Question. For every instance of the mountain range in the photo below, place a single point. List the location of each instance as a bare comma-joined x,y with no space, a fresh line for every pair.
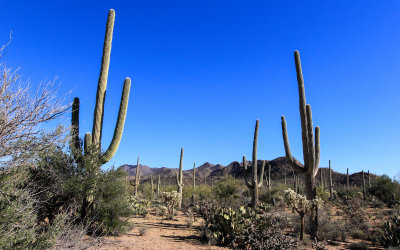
211,173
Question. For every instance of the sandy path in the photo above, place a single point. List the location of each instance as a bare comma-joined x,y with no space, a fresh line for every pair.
160,234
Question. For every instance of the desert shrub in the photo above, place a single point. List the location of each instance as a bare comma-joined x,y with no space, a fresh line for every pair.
391,236
376,236
328,228
386,190
139,206
60,181
322,193
355,217
264,232
350,193
20,226
242,228
358,246
142,231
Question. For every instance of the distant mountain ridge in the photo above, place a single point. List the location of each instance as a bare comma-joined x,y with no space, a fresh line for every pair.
210,172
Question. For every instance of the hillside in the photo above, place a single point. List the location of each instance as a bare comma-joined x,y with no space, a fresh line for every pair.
210,172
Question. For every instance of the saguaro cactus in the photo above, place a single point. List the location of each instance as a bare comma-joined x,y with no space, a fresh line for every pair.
254,184
268,178
330,182
194,183
158,185
285,177
347,179
137,177
369,180
363,186
179,180
94,139
152,185
311,148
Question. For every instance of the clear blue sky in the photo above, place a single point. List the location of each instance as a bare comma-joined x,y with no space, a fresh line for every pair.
204,71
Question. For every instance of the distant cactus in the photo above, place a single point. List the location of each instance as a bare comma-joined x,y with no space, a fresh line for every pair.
330,182
137,177
158,185
152,185
369,180
268,178
311,148
347,179
194,183
254,184
92,141
363,186
179,180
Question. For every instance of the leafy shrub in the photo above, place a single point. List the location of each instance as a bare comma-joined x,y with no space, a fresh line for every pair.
391,236
99,196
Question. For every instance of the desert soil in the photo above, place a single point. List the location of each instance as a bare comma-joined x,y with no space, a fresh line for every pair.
159,234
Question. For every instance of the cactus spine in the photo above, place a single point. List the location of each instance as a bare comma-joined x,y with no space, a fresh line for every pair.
347,179
95,137
330,182
179,180
311,148
254,184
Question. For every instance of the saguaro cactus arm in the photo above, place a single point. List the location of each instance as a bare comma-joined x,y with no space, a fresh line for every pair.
248,184
294,163
102,83
260,182
87,142
119,127
75,142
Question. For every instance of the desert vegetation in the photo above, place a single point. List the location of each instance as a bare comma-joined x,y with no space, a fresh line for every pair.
53,193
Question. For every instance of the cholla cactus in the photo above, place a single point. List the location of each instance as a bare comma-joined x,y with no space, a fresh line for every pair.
171,199
302,206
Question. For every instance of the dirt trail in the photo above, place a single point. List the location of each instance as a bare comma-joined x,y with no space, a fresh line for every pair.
159,234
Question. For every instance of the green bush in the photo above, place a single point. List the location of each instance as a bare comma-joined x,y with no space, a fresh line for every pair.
100,197
386,190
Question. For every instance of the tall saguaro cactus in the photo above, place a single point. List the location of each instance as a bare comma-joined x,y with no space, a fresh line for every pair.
158,185
347,179
254,184
179,180
311,148
92,142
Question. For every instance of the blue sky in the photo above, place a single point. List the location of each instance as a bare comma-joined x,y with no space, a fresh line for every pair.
204,71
